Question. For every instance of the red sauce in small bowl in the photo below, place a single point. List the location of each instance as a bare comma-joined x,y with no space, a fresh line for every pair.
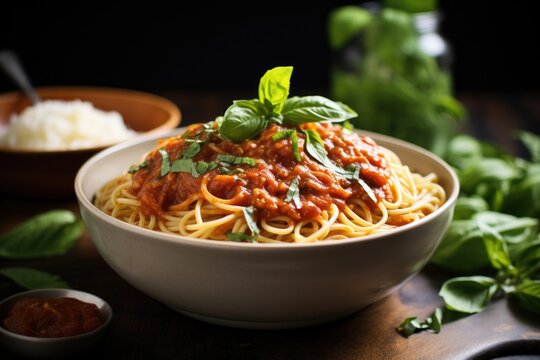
52,317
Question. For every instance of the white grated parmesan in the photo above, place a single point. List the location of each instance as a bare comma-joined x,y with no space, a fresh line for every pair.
64,125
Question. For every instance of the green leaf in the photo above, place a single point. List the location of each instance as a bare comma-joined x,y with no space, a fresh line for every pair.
203,166
409,326
486,170
524,191
527,258
496,248
463,150
293,193
468,294
299,110
532,143
239,237
528,294
33,279
294,145
346,23
243,120
467,207
134,169
250,221
413,325
463,249
47,234
236,160
182,165
293,134
274,87
193,149
283,134
165,164
315,147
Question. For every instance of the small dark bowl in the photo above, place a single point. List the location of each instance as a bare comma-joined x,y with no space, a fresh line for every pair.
55,347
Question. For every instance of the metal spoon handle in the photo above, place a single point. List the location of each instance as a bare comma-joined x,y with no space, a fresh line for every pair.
12,66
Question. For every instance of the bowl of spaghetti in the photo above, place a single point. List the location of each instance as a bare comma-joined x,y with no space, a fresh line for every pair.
288,220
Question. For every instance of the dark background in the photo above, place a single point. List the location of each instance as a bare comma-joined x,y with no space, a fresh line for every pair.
161,48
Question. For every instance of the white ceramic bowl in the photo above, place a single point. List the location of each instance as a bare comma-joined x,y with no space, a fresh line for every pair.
262,285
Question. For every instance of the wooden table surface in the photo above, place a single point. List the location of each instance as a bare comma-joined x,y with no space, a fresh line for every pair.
143,328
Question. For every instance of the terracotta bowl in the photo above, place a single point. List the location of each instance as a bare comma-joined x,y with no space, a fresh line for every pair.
258,285
50,174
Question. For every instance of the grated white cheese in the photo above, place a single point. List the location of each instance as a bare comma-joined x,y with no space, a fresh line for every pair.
64,125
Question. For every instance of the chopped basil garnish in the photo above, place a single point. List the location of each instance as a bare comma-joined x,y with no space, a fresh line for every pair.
283,134
134,169
250,221
235,160
193,149
182,165
293,134
238,236
293,194
165,164
294,144
315,147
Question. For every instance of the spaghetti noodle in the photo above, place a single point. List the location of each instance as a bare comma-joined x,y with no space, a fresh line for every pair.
292,183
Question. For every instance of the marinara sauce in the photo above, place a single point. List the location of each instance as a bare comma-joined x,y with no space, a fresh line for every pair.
265,185
52,317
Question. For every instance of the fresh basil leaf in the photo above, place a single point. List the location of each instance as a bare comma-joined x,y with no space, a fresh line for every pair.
489,178
243,120
33,279
293,193
467,207
47,234
237,236
134,169
496,248
462,248
409,326
299,110
468,294
250,221
413,325
524,191
345,23
274,87
165,164
463,150
193,149
532,143
527,258
236,160
528,294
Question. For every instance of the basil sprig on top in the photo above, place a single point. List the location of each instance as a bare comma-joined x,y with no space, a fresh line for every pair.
245,119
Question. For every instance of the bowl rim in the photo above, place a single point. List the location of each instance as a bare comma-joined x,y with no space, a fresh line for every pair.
175,114
56,293
176,238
